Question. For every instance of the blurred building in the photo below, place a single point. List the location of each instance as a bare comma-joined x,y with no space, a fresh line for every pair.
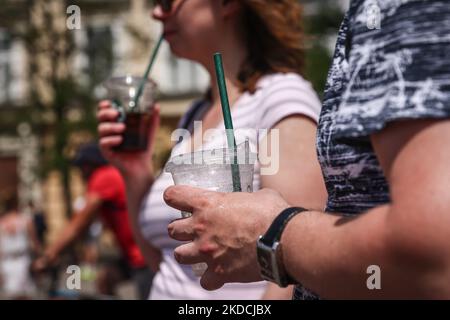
116,38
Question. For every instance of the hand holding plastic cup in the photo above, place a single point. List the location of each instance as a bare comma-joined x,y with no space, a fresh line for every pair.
212,170
226,169
134,113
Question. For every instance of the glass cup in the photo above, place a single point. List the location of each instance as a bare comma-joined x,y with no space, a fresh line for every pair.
122,92
212,170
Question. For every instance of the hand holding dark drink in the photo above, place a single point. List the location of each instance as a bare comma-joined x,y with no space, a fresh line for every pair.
111,133
128,122
134,99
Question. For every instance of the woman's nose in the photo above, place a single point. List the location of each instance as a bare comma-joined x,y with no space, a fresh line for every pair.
159,14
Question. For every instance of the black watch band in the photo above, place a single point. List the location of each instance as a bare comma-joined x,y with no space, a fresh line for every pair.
270,241
277,227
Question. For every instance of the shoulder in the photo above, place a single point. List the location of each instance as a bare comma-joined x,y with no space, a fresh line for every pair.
397,66
105,175
400,18
192,113
273,83
284,94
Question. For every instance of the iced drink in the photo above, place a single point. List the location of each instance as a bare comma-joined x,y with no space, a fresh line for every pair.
122,92
211,169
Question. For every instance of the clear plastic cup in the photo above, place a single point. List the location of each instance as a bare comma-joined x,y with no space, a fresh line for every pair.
212,170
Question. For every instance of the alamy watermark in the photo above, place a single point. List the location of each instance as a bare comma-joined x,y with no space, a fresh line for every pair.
268,145
374,280
73,281
373,15
73,21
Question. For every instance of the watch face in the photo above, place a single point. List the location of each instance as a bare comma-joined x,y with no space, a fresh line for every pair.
265,262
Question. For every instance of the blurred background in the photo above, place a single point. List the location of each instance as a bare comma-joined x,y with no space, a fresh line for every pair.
51,80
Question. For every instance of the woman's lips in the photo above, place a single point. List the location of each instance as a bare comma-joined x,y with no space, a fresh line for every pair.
169,33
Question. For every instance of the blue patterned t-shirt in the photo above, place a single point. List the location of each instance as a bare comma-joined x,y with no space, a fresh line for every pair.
392,62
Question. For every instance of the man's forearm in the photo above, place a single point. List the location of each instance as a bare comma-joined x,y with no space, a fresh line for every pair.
65,239
332,254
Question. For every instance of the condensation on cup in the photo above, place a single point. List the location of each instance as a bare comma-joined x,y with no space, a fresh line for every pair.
211,170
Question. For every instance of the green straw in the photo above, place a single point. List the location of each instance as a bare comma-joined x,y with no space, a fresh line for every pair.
147,71
227,121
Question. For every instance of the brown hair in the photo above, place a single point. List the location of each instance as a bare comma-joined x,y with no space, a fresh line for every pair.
274,37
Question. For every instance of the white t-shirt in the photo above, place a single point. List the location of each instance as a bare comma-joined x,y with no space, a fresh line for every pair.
277,96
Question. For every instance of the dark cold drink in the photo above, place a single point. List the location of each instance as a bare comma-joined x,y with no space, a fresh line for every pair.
135,137
135,101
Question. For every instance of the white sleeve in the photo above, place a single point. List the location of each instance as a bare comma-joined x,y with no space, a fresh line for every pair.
285,96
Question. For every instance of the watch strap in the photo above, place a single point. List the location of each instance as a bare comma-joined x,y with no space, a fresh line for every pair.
273,234
273,269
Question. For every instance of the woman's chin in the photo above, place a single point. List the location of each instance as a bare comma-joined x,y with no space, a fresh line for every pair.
177,50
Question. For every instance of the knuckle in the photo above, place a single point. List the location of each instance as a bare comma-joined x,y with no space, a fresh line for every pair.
207,249
199,227
204,202
107,114
104,104
169,194
178,257
108,127
170,230
104,126
219,198
111,113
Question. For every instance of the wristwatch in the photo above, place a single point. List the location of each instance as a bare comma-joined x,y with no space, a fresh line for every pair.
269,249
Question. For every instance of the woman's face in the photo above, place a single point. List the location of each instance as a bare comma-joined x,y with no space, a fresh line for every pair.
192,27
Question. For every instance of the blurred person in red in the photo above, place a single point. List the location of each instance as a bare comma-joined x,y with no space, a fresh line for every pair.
105,196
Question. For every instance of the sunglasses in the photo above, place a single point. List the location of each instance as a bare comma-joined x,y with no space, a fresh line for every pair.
166,5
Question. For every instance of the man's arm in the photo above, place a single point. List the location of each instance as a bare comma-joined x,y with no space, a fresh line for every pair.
299,178
407,239
274,292
330,254
77,225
